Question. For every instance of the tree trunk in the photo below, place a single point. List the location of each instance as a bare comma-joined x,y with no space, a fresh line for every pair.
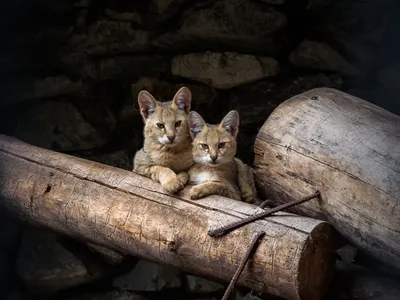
346,148
132,214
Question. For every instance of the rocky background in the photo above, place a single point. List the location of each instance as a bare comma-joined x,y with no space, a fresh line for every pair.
71,71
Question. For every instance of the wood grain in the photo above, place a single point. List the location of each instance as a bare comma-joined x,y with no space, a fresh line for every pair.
127,212
346,148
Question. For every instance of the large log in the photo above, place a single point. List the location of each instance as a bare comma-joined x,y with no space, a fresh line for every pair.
129,213
346,148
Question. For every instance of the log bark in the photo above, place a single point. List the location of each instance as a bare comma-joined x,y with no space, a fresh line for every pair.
346,148
128,213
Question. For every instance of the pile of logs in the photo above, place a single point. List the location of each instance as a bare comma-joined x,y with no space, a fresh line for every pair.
321,140
346,148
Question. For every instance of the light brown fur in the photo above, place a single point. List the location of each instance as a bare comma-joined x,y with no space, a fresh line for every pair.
160,159
216,170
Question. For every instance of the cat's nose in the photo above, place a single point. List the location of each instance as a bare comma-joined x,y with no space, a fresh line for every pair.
171,137
214,157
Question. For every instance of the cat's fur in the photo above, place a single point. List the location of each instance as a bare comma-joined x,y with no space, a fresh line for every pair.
216,170
167,152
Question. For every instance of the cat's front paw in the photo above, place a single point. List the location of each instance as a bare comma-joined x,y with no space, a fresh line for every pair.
173,184
197,192
247,195
183,177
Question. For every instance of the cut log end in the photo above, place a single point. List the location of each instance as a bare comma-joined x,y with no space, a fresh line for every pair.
343,146
317,263
131,214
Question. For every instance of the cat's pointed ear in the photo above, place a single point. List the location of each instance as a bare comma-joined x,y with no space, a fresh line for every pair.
182,99
230,123
196,123
147,104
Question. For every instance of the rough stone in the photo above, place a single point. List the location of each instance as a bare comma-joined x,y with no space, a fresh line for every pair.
356,283
40,60
126,68
265,96
56,125
108,295
245,295
117,159
199,284
97,107
149,276
52,87
320,56
208,297
133,17
115,37
203,96
355,27
73,63
46,267
224,70
227,25
274,2
82,3
347,254
316,5
164,91
163,6
34,88
110,256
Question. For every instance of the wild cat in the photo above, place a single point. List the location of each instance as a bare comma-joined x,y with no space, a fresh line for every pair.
167,152
216,170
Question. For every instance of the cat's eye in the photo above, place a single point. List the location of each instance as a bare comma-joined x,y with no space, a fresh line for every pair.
178,123
204,146
160,125
221,145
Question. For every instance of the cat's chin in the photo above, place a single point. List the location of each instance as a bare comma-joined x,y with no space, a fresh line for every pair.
170,145
216,164
213,165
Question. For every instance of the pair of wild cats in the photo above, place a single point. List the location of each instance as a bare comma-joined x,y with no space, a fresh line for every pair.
181,148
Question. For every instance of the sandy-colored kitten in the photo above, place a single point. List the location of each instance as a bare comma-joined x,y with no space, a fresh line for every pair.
167,152
216,170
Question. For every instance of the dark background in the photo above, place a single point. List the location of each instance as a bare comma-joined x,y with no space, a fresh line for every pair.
71,70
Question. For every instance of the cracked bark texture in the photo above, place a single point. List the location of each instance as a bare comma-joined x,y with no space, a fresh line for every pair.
126,212
346,148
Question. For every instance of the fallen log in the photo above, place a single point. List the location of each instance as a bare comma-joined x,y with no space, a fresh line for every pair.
128,213
346,148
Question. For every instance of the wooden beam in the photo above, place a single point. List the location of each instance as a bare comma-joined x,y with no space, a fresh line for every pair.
346,148
123,211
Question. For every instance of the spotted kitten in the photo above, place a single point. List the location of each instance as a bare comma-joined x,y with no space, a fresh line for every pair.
167,152
216,170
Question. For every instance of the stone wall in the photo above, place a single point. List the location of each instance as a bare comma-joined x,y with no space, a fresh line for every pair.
71,71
